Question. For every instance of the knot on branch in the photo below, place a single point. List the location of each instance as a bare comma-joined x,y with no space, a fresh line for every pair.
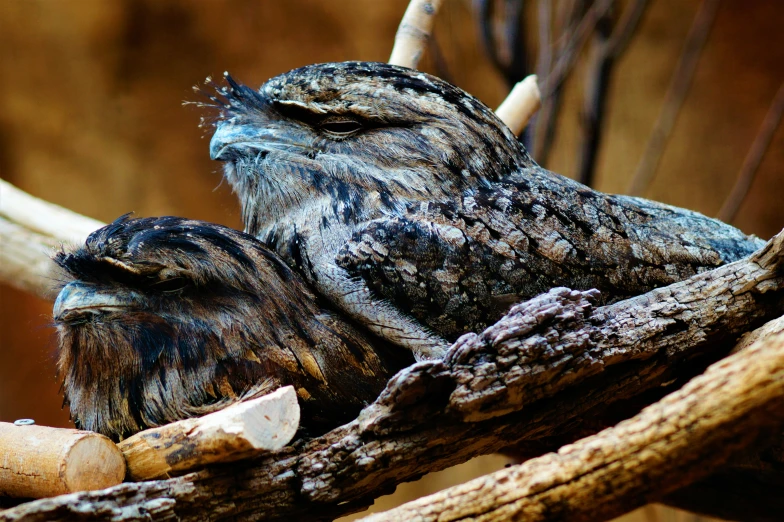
512,363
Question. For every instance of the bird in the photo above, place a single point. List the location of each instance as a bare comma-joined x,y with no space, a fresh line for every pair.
408,204
166,318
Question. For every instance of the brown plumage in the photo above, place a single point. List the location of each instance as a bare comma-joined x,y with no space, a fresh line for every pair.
413,208
165,318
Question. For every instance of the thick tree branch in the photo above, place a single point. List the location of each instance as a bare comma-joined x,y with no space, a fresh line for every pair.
669,444
533,375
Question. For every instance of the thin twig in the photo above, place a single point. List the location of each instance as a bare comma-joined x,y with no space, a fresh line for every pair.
413,33
626,27
566,19
676,93
753,159
521,104
607,47
574,45
599,67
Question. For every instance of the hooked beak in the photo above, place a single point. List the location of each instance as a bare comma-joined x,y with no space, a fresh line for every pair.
230,139
78,299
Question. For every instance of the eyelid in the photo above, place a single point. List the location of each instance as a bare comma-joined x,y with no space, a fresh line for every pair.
341,126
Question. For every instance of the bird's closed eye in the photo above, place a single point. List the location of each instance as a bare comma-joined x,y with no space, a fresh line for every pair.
171,285
341,128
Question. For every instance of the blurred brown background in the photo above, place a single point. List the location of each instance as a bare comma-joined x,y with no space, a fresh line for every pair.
91,118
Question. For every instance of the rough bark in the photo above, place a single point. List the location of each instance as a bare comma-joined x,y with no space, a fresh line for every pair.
556,356
684,436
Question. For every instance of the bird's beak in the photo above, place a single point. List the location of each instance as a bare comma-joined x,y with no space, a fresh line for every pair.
231,138
77,299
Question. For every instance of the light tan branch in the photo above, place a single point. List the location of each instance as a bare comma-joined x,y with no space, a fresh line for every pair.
414,32
30,231
240,431
522,103
38,461
669,444
43,217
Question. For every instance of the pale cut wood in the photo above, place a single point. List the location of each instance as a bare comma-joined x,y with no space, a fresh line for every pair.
242,430
413,33
681,438
522,103
39,461
43,217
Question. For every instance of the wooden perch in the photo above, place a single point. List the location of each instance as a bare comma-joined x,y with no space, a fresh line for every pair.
38,461
522,103
43,217
669,444
30,231
240,431
552,362
414,32
25,261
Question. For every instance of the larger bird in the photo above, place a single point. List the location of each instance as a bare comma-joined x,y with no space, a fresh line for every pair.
412,207
167,318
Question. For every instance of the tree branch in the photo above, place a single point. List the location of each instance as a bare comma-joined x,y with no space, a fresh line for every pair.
535,374
414,32
669,444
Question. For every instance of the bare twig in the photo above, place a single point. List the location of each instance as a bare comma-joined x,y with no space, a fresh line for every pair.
753,159
25,261
414,32
571,51
605,50
598,68
508,55
521,104
626,27
673,99
668,445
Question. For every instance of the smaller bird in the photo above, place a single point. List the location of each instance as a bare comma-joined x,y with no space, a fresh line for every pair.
167,318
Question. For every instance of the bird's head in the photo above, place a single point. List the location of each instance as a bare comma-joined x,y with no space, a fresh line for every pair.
356,132
163,317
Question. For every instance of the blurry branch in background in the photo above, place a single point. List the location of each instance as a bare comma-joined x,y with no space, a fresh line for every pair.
501,32
30,230
753,159
607,46
641,459
673,99
573,33
414,32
